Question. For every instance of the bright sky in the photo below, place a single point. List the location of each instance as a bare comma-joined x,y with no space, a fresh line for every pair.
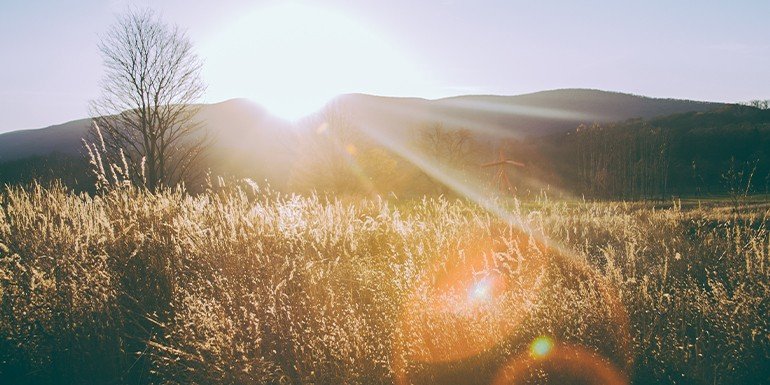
292,56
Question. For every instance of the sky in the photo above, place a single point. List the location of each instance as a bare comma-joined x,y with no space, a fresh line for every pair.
293,56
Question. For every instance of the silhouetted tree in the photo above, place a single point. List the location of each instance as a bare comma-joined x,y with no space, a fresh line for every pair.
450,147
147,107
761,104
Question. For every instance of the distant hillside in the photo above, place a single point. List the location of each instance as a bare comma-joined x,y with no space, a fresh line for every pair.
693,153
244,125
535,114
61,138
235,123
373,152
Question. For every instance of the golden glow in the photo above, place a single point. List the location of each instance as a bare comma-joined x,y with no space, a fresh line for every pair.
464,306
481,291
293,58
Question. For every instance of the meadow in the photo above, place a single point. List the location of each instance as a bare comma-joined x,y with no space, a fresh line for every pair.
243,285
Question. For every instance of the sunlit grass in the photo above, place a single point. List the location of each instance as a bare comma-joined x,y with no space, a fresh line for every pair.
241,285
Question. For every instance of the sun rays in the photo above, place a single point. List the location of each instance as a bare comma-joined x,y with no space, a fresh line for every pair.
473,303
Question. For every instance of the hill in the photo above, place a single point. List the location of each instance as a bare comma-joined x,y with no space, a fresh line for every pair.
722,151
372,154
236,122
242,124
60,138
534,114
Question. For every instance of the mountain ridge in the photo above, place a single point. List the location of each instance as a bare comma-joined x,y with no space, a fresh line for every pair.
242,123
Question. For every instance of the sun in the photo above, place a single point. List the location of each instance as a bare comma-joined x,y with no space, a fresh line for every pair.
293,58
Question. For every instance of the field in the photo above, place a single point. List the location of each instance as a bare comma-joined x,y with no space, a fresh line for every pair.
241,285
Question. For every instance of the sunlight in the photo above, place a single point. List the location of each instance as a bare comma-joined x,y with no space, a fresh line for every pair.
481,291
462,295
384,192
293,58
520,110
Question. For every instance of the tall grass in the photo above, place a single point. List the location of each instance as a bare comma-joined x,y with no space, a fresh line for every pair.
242,286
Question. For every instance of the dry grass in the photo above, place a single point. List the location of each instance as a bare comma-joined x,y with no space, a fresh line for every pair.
242,286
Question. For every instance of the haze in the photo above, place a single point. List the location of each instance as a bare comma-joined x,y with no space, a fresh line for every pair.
293,56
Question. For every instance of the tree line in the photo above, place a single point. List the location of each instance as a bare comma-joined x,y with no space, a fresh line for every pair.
692,154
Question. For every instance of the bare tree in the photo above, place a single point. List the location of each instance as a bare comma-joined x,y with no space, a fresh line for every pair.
761,104
450,147
326,157
146,111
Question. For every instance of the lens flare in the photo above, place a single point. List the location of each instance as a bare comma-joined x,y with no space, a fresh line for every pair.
323,127
541,347
561,364
478,305
497,295
481,291
472,299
